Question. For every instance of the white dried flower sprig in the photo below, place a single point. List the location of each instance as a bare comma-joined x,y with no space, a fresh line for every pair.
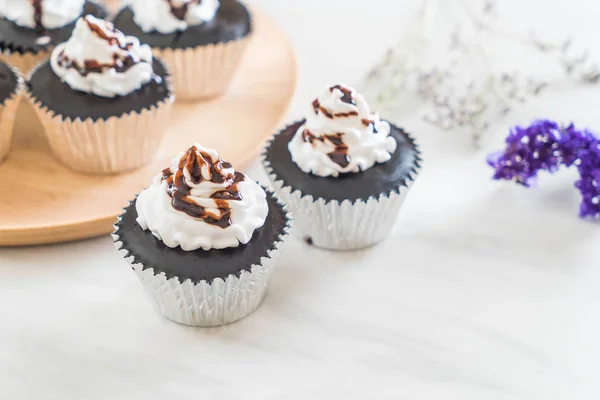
575,60
459,95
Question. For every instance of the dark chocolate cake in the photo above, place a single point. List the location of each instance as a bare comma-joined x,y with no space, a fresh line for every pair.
199,265
380,179
8,82
50,91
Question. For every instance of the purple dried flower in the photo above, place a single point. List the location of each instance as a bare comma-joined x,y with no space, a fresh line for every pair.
528,151
588,165
509,167
573,145
590,195
545,146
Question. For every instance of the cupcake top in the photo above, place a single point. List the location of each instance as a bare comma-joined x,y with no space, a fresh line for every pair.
167,16
201,202
184,24
101,60
28,26
41,14
341,135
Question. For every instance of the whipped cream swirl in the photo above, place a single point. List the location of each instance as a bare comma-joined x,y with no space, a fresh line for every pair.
168,16
341,135
202,202
41,14
100,59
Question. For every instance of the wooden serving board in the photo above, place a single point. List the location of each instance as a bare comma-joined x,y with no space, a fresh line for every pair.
42,201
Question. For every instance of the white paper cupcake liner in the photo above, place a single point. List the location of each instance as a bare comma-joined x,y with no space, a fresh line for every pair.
8,111
205,304
105,146
204,71
346,225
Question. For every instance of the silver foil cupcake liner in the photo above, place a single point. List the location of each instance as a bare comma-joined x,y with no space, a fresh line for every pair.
206,304
341,226
347,225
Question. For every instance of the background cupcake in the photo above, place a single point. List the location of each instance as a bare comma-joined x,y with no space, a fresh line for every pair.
343,172
11,88
29,30
202,42
202,239
103,99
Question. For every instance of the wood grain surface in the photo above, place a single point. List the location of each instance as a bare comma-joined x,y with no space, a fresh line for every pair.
42,201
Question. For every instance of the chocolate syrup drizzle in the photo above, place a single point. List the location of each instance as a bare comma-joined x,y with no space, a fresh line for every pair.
38,14
340,153
346,98
180,12
107,32
369,122
318,107
193,161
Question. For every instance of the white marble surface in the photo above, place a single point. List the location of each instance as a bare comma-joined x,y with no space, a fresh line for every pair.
483,291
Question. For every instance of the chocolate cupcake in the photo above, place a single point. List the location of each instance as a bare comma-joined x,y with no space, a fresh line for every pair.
343,172
29,30
202,239
104,100
202,41
11,90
